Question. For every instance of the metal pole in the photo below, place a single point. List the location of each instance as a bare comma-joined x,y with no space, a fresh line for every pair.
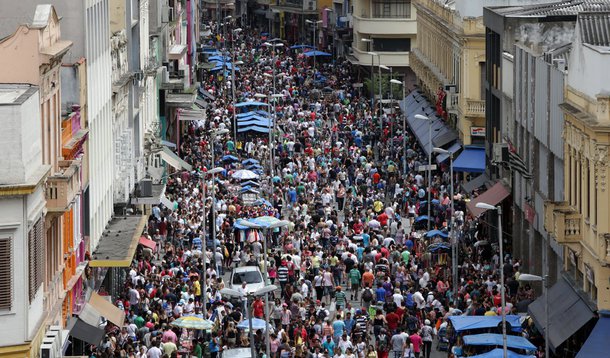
546,314
315,47
429,169
267,338
504,338
404,133
205,285
250,333
454,244
380,97
372,86
233,86
214,137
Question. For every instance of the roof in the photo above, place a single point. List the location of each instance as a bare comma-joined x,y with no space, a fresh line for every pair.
595,28
42,16
15,94
563,8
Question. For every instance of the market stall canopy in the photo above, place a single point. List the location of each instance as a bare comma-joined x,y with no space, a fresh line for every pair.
315,53
494,339
253,129
85,332
107,310
147,243
174,160
251,104
464,323
433,233
493,196
297,47
499,353
471,160
244,174
257,324
118,243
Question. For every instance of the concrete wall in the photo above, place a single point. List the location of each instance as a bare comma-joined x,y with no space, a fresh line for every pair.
474,8
585,75
20,140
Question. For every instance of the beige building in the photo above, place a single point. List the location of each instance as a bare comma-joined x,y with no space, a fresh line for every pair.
389,29
34,55
449,61
581,223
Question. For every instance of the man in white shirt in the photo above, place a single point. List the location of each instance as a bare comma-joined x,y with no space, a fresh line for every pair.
154,351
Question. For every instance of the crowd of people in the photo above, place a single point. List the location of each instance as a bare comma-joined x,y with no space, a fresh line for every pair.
355,273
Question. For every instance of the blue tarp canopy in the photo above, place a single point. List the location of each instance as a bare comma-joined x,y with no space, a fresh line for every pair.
597,343
253,129
464,323
472,160
210,51
254,122
220,58
250,161
422,218
254,166
494,339
225,66
499,353
237,225
316,53
433,233
296,47
250,104
230,158
246,114
439,246
252,116
262,201
250,183
248,189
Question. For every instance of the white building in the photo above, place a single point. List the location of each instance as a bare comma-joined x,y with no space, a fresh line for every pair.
22,211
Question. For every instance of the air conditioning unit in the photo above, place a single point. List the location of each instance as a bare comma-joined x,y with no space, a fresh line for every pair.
500,153
47,351
146,188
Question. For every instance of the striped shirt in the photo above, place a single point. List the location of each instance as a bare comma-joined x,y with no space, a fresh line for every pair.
282,274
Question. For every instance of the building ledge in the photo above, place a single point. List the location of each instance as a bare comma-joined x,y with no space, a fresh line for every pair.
30,184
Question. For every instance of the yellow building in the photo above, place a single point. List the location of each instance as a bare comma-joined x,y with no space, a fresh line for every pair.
449,62
581,223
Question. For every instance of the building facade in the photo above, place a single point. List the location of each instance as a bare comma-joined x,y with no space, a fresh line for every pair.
449,62
580,222
22,205
392,27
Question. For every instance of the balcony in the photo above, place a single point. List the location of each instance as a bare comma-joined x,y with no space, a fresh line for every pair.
392,59
563,222
474,108
63,186
380,26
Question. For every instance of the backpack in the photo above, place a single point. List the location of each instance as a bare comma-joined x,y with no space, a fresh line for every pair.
367,295
321,314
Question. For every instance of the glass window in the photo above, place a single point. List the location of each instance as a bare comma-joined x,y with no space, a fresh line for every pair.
392,45
247,276
392,8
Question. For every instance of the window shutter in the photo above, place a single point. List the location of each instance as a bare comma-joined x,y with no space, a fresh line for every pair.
6,274
36,269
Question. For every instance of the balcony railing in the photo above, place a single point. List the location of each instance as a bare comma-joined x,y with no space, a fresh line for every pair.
63,186
475,107
563,222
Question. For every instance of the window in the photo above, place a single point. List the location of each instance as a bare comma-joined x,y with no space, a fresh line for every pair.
6,275
392,45
35,258
392,8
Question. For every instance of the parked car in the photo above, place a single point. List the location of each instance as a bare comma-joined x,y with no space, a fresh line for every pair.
249,274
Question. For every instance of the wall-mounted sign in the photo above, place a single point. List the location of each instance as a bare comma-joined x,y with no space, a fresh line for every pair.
477,131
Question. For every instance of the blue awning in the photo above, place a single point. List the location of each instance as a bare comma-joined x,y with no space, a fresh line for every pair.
249,104
464,323
254,122
455,147
253,129
314,53
472,160
252,117
597,343
494,339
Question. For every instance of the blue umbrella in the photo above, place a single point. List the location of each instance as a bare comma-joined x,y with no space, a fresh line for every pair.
297,47
244,174
251,103
433,233
262,201
254,166
230,158
316,53
250,183
250,161
256,324
217,58
422,218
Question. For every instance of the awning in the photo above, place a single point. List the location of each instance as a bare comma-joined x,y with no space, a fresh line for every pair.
465,323
597,343
471,160
167,203
168,144
176,52
119,242
455,147
175,161
416,103
493,196
107,310
475,183
201,103
567,313
183,100
495,339
147,243
85,332
157,191
499,353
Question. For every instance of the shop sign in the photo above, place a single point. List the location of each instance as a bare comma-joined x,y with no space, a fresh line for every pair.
477,131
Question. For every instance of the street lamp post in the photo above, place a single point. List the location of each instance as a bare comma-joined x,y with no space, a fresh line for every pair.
373,54
421,116
452,237
233,64
214,136
404,127
526,277
501,244
314,43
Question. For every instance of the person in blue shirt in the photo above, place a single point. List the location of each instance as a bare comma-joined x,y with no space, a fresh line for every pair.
380,293
349,323
366,238
338,328
329,346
